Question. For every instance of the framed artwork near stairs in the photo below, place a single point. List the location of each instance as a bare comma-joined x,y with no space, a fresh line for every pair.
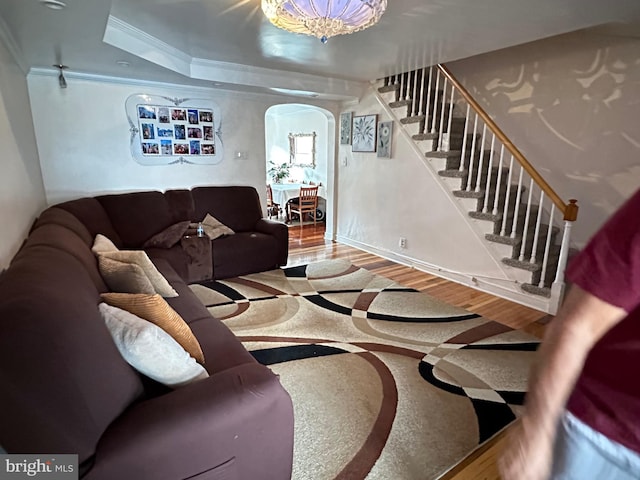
385,130
364,133
345,128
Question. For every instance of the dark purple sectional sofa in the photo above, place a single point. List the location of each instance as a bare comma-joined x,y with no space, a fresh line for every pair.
65,388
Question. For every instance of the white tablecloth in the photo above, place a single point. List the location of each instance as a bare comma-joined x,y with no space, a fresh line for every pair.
282,192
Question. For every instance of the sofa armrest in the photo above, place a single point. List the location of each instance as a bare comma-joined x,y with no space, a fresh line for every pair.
281,232
238,421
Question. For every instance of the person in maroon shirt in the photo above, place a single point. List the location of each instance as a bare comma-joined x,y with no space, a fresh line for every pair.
582,413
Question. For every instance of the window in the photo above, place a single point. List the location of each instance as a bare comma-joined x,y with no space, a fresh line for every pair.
302,149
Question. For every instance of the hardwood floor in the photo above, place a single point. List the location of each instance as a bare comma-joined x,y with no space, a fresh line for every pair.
310,246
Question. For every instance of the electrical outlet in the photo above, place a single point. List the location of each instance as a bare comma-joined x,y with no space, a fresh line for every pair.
402,242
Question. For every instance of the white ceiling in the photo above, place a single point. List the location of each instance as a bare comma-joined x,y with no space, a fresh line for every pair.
229,43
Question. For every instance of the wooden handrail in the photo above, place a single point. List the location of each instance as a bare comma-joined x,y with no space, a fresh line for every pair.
569,211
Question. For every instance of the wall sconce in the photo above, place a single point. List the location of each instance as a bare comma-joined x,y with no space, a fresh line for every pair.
61,80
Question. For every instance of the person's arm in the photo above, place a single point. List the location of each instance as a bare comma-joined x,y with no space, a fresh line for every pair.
582,320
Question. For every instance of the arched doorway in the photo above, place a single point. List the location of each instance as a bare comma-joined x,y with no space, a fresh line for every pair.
283,120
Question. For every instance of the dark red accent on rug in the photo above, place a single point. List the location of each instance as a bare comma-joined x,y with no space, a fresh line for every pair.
363,461
380,347
480,332
258,286
364,301
284,339
240,309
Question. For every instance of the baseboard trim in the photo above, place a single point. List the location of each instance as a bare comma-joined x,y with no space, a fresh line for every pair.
502,288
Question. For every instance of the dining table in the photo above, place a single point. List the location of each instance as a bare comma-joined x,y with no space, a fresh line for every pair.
283,192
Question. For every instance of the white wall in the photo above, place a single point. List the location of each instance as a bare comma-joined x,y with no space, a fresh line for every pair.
21,189
570,104
383,199
87,152
281,120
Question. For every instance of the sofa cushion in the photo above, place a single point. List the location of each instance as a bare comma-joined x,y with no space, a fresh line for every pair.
137,216
58,216
93,216
140,258
238,207
51,235
71,382
181,204
154,309
168,237
149,349
244,253
124,277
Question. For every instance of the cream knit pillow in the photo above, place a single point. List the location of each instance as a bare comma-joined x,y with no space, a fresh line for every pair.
149,349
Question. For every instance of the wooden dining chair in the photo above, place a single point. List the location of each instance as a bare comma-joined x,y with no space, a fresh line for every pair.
307,202
273,209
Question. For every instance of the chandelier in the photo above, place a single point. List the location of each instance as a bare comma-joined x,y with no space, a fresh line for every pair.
324,18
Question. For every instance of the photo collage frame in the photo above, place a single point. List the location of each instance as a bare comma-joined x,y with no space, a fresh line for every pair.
176,132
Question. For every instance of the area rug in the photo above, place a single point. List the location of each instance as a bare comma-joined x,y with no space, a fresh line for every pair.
386,381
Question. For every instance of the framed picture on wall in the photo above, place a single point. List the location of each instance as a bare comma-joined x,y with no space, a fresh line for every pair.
385,130
345,128
364,133
166,131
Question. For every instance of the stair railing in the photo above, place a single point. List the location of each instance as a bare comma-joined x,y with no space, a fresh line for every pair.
434,93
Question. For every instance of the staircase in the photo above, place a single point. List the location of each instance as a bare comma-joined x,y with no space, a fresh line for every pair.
526,223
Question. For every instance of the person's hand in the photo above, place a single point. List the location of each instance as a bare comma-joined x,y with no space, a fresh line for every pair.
528,452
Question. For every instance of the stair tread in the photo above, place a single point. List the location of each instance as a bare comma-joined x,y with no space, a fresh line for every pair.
425,136
522,264
443,154
466,193
389,88
412,119
536,290
400,103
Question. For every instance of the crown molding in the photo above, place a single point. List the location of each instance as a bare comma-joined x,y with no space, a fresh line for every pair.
14,50
187,90
144,45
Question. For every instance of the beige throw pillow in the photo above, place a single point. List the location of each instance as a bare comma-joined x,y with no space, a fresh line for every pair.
149,349
102,244
155,309
213,228
124,277
140,258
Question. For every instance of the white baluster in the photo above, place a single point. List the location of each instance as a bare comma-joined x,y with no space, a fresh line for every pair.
473,154
435,98
485,209
442,110
481,162
525,232
498,183
547,247
514,222
536,234
464,139
428,104
505,211
558,283
453,89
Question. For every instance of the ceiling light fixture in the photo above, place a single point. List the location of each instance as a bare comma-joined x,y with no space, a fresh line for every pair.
53,4
324,18
61,80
